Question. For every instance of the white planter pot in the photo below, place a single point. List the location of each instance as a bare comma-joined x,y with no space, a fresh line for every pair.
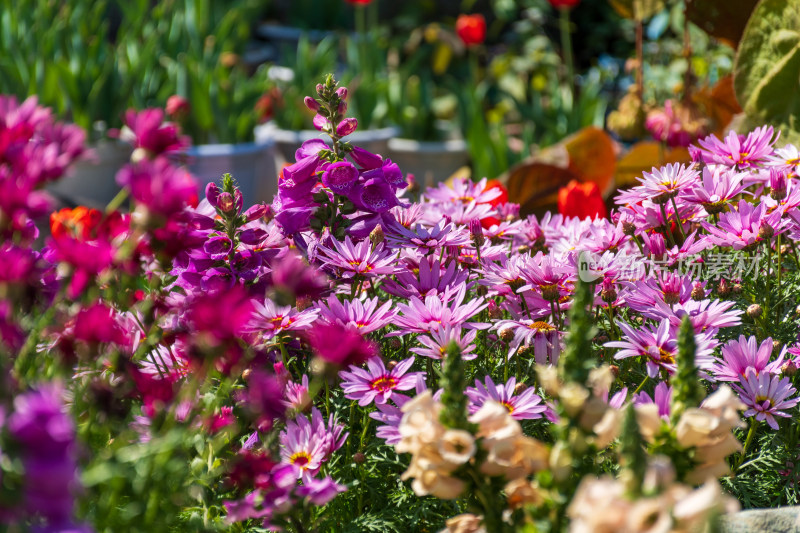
431,162
92,182
252,165
288,141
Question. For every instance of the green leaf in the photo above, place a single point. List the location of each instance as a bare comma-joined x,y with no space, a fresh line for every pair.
767,67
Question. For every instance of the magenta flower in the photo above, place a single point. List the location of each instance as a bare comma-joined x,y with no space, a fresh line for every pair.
296,394
101,324
374,195
149,132
786,159
341,346
340,177
744,228
376,383
738,150
362,259
435,312
766,395
525,406
159,186
390,416
547,275
435,343
307,444
662,397
270,319
363,316
739,356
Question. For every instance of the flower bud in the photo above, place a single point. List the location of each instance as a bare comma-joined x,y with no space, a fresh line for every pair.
737,288
341,92
493,310
413,186
523,350
359,458
523,249
225,202
765,231
614,370
724,288
476,232
550,293
482,290
255,212
342,108
698,292
346,127
754,311
376,236
395,343
177,107
311,103
320,89
629,228
520,387
506,334
212,193
391,364
777,184
608,293
789,368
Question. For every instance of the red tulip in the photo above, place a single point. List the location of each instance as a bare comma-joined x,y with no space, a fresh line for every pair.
488,222
581,200
564,4
471,29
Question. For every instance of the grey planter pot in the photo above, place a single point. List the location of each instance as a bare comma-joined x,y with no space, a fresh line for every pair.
288,141
252,165
92,182
780,520
431,162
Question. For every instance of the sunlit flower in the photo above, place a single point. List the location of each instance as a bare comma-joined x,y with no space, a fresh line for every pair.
376,383
307,444
523,406
766,396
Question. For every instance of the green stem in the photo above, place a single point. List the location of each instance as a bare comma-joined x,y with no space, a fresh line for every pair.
117,201
566,48
768,245
666,225
639,388
750,434
678,220
778,282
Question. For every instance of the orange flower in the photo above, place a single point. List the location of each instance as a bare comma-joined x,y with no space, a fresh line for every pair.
79,222
581,200
471,29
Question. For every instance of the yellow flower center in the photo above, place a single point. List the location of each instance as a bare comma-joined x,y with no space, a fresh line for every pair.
384,383
541,326
300,459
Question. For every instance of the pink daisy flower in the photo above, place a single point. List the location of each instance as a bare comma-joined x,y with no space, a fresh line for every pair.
307,444
738,150
525,406
429,238
361,259
364,316
660,185
429,277
435,343
720,185
541,336
377,383
739,356
743,229
271,319
766,396
462,190
421,317
662,397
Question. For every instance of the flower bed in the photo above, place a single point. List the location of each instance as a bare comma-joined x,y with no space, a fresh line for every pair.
354,357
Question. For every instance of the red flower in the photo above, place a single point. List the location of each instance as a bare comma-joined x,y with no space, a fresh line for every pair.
488,222
471,29
581,200
564,4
